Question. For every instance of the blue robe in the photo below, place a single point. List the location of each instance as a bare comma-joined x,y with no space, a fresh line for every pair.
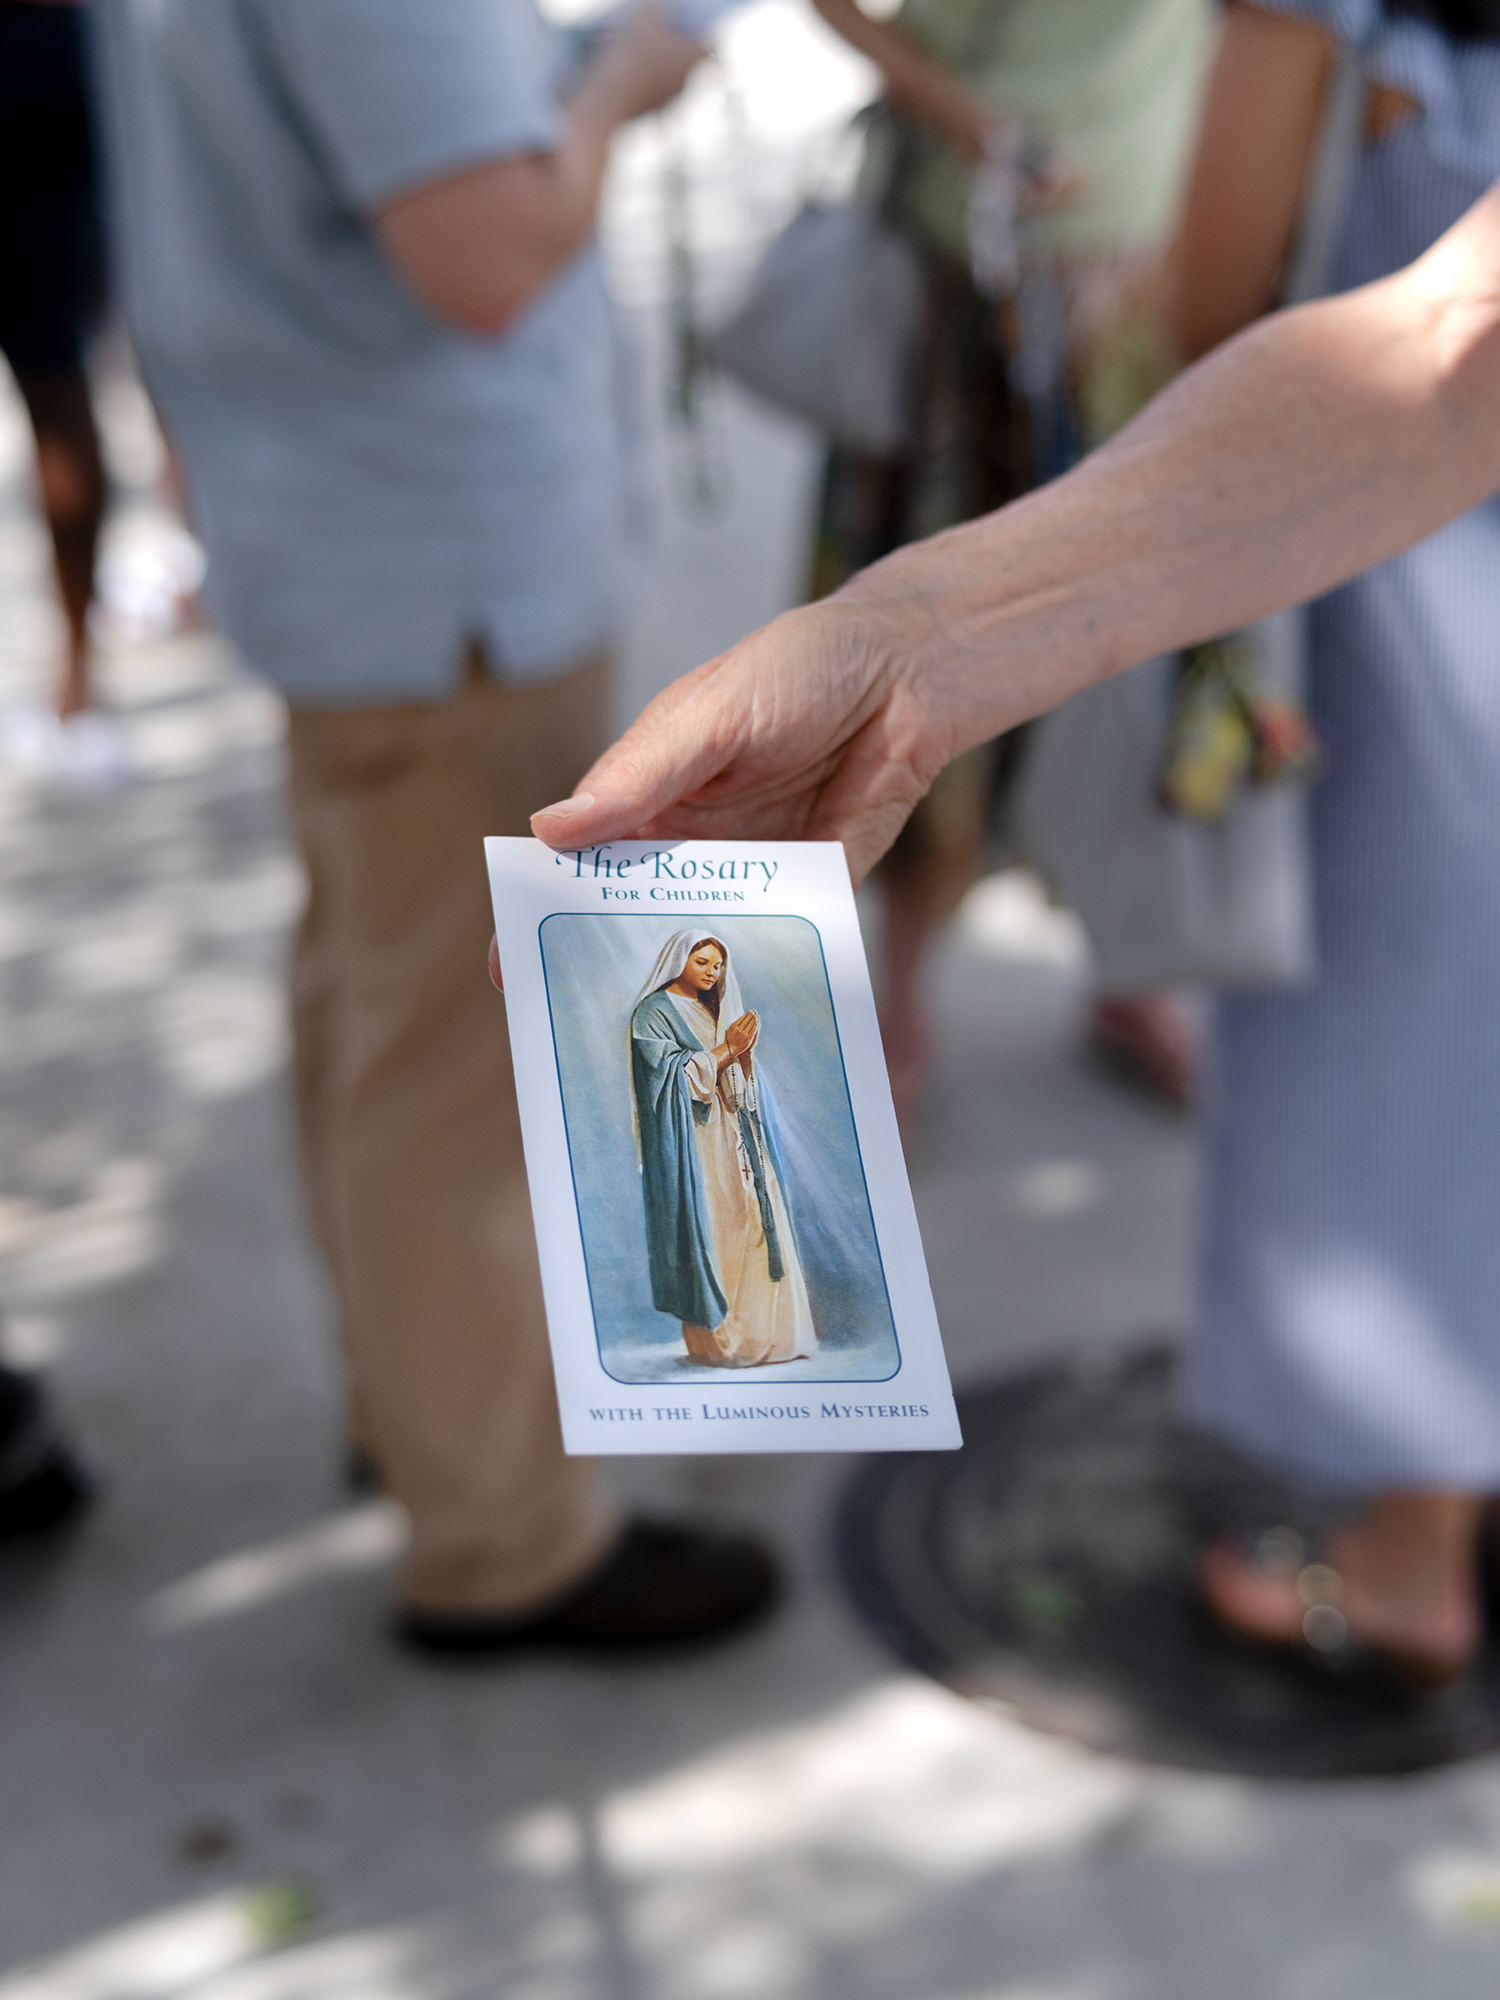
685,1277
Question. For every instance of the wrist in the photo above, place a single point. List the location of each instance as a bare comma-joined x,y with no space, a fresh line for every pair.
904,620
965,653
599,106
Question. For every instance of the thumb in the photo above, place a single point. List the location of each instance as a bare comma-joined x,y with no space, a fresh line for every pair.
674,747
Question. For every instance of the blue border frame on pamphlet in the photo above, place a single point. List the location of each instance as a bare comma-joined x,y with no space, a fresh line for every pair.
629,916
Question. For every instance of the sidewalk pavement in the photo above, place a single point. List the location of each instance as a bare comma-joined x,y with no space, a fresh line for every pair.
218,1780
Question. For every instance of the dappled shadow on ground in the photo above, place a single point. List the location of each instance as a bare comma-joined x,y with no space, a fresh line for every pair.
197,1698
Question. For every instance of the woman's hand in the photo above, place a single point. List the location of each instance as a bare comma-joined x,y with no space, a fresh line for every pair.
831,722
739,1040
740,1035
970,126
644,64
806,730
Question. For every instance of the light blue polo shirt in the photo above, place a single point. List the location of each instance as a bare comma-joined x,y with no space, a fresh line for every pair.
372,487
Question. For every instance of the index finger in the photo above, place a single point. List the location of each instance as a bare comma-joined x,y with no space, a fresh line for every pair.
672,749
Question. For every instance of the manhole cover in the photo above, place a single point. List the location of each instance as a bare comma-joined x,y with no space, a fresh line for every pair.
1048,1566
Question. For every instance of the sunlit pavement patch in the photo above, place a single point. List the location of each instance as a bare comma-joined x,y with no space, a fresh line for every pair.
1460,1892
357,1538
175,1951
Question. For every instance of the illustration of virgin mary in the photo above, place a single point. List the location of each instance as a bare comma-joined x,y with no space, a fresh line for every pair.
718,1227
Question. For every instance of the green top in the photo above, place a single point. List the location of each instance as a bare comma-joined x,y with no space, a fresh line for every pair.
1114,84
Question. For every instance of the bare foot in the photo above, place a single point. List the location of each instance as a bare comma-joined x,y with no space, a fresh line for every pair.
1401,1579
1150,1039
73,695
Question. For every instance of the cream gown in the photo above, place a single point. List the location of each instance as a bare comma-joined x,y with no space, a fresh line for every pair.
765,1321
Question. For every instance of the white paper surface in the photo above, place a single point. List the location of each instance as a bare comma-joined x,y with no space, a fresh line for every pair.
775,1196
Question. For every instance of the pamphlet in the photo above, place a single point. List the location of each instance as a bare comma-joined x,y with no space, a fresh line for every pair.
730,1255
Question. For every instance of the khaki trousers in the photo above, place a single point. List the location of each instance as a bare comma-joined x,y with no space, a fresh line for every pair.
411,1142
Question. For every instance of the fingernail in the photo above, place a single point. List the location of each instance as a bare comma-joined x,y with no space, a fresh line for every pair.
565,808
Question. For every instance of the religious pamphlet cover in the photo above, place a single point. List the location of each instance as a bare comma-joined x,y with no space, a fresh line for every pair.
730,1255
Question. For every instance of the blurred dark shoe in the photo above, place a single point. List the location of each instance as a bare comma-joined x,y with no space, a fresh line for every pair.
362,1475
42,1486
660,1586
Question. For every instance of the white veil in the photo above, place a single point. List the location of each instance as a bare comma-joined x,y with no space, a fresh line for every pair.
673,956
670,961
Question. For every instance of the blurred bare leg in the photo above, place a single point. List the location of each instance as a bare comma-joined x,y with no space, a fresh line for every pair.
70,470
1150,1040
909,926
935,859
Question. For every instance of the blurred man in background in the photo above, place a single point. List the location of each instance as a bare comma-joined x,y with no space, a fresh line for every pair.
355,249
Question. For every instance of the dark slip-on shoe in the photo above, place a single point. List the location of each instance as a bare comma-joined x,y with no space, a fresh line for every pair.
42,1486
661,1585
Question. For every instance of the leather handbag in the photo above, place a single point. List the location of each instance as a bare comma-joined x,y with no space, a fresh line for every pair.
829,326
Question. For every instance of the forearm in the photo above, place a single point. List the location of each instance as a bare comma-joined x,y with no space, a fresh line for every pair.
913,79
559,219
1257,132
479,246
1315,444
